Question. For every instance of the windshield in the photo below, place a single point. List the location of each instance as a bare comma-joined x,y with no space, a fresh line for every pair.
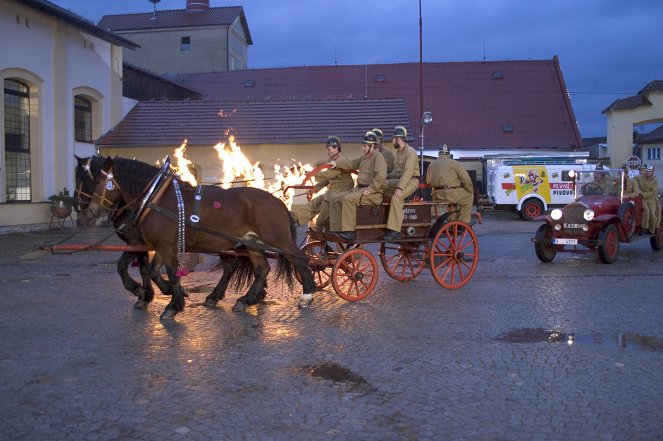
599,183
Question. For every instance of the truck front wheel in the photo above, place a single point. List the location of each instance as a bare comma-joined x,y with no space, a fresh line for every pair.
530,209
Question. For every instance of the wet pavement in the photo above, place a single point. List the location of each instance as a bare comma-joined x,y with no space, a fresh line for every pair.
569,350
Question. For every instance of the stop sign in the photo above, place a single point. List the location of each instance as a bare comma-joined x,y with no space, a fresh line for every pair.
633,162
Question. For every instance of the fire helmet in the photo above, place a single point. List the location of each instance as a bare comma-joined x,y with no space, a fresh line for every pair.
333,141
370,138
400,132
378,133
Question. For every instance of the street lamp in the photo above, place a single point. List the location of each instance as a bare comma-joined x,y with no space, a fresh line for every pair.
426,119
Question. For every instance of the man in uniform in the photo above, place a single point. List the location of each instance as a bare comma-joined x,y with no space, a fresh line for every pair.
603,180
388,156
651,208
337,180
402,181
451,184
630,187
371,185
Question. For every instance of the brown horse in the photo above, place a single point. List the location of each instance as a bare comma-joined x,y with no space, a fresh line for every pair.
224,220
85,169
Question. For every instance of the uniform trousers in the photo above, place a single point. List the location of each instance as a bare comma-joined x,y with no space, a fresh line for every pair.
458,196
395,218
343,208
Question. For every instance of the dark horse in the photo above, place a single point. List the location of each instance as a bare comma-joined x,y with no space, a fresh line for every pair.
86,168
228,219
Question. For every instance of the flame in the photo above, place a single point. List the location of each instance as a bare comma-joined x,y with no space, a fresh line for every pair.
182,165
286,176
237,170
236,167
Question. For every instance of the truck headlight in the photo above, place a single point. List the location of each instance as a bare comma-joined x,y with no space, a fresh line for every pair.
588,214
556,214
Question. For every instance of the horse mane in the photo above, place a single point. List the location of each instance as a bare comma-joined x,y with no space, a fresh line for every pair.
133,176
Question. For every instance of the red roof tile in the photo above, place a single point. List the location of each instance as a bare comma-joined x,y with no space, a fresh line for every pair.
471,101
168,123
176,18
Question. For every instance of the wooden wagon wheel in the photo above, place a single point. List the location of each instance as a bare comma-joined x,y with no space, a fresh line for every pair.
454,254
319,262
355,274
403,261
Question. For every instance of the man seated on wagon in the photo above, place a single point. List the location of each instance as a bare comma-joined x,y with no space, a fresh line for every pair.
337,180
371,185
403,181
451,184
651,205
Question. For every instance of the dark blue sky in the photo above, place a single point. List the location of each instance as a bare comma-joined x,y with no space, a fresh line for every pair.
608,49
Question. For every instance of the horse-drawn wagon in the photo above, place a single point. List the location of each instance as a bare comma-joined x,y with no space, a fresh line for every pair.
154,210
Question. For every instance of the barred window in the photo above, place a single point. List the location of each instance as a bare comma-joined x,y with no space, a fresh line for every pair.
82,119
18,186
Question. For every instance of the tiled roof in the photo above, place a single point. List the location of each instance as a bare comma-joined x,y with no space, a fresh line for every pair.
653,137
79,22
168,123
472,102
176,18
639,100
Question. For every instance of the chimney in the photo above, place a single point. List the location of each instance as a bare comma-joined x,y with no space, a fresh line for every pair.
194,6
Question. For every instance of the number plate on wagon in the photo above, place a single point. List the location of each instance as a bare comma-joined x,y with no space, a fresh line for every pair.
565,241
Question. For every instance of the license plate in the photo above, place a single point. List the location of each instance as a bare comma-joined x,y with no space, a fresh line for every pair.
565,241
573,226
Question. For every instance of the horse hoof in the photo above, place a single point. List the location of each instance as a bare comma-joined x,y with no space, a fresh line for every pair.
209,303
239,307
168,314
305,303
141,304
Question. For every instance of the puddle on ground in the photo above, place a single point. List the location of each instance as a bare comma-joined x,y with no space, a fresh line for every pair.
621,340
335,373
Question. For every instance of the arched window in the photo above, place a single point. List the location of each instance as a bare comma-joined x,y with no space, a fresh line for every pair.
18,186
82,119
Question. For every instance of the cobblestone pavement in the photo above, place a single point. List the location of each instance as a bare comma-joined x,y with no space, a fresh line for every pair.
413,361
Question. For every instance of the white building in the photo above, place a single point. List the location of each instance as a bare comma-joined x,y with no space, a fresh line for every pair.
62,89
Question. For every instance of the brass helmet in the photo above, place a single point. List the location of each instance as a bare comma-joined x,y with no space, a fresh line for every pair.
378,134
443,151
400,132
333,141
370,138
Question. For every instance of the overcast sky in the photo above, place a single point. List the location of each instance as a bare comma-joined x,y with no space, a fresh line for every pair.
608,49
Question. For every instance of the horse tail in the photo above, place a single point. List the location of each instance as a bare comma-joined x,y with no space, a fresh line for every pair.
293,227
242,274
285,270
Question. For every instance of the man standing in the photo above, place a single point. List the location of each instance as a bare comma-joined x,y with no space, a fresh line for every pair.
371,186
651,208
388,156
337,180
402,181
630,187
451,184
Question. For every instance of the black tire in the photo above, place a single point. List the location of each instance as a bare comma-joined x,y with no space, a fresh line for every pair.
530,209
609,247
626,215
543,246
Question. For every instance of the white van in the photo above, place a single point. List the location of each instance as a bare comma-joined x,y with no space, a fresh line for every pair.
530,185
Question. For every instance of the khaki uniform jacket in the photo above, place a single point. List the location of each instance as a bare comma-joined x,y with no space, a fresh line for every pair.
406,167
372,171
631,189
338,179
389,157
648,187
446,172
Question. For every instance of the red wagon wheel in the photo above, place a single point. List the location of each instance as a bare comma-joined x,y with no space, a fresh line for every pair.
454,254
355,274
404,261
319,262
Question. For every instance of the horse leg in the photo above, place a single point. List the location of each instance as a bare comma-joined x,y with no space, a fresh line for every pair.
144,267
219,292
261,269
155,267
300,262
123,270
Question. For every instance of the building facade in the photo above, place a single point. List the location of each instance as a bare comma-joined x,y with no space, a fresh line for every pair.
62,89
195,39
